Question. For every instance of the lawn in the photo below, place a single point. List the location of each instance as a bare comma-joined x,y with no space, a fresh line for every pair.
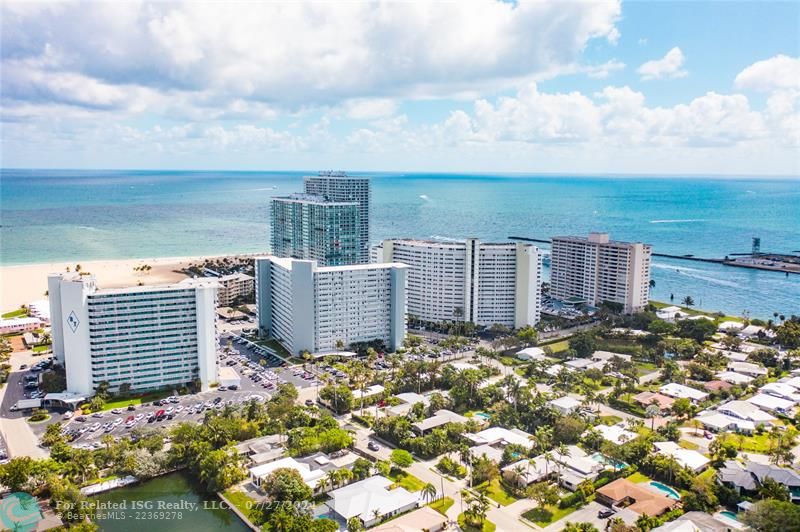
557,347
758,443
406,480
638,478
488,526
610,420
19,313
497,492
688,445
442,505
243,502
274,344
142,399
708,474
41,348
549,514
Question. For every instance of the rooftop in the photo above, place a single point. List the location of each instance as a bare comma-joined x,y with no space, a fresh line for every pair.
645,501
362,499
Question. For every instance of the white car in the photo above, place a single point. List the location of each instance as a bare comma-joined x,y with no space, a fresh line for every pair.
68,415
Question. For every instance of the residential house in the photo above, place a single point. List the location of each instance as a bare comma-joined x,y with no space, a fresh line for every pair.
679,391
772,404
646,399
425,518
529,471
635,497
531,353
746,411
261,450
730,327
607,356
616,434
439,419
782,390
500,437
313,468
407,402
717,386
565,405
747,478
575,466
747,368
685,457
371,500
737,379
718,422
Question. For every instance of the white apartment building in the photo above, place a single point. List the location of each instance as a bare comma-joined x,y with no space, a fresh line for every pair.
147,337
469,280
311,308
233,286
597,269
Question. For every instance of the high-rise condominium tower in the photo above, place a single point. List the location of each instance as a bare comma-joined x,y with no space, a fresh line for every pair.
337,186
328,222
469,280
597,269
145,337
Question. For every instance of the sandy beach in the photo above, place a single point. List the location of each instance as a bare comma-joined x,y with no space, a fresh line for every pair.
20,285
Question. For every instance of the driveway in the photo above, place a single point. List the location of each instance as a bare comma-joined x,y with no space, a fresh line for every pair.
588,514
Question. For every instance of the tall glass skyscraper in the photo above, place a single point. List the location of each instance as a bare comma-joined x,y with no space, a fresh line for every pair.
328,223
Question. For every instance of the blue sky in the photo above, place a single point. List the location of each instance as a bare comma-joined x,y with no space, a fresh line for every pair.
550,86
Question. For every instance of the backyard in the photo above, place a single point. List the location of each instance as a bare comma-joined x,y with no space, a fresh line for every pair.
497,492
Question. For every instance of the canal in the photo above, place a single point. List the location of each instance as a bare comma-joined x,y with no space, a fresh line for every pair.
169,502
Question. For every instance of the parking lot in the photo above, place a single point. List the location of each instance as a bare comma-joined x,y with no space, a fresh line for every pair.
257,381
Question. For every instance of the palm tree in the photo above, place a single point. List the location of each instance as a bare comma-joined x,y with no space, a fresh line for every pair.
688,301
331,478
519,471
429,492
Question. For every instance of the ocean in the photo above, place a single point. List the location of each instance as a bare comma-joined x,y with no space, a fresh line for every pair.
59,215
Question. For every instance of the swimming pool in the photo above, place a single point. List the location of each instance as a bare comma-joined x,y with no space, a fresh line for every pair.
482,415
669,492
729,515
600,458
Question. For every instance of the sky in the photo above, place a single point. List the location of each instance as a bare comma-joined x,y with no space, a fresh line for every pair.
551,86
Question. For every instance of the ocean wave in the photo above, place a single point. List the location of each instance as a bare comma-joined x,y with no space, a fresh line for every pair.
446,238
687,220
425,197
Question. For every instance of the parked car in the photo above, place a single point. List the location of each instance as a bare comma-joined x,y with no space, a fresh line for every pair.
372,446
603,514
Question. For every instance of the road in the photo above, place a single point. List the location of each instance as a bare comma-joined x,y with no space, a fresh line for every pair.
17,434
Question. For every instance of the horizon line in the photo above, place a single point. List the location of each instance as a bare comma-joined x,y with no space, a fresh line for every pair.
488,173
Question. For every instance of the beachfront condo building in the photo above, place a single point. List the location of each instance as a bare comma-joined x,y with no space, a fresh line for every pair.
595,269
309,227
469,280
140,338
338,186
234,287
319,309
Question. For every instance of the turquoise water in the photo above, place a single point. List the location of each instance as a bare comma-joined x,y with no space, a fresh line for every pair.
483,415
729,515
170,502
600,458
84,215
669,492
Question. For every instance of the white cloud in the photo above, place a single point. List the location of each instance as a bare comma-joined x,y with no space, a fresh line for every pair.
370,108
668,67
616,116
290,55
776,73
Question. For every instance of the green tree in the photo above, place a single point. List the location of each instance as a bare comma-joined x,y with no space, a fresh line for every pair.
15,473
772,489
773,516
579,527
544,493
527,336
286,484
401,458
583,343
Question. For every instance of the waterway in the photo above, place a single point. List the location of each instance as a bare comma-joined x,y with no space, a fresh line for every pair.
171,502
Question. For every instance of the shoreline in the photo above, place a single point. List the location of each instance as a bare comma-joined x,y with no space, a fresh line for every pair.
21,284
